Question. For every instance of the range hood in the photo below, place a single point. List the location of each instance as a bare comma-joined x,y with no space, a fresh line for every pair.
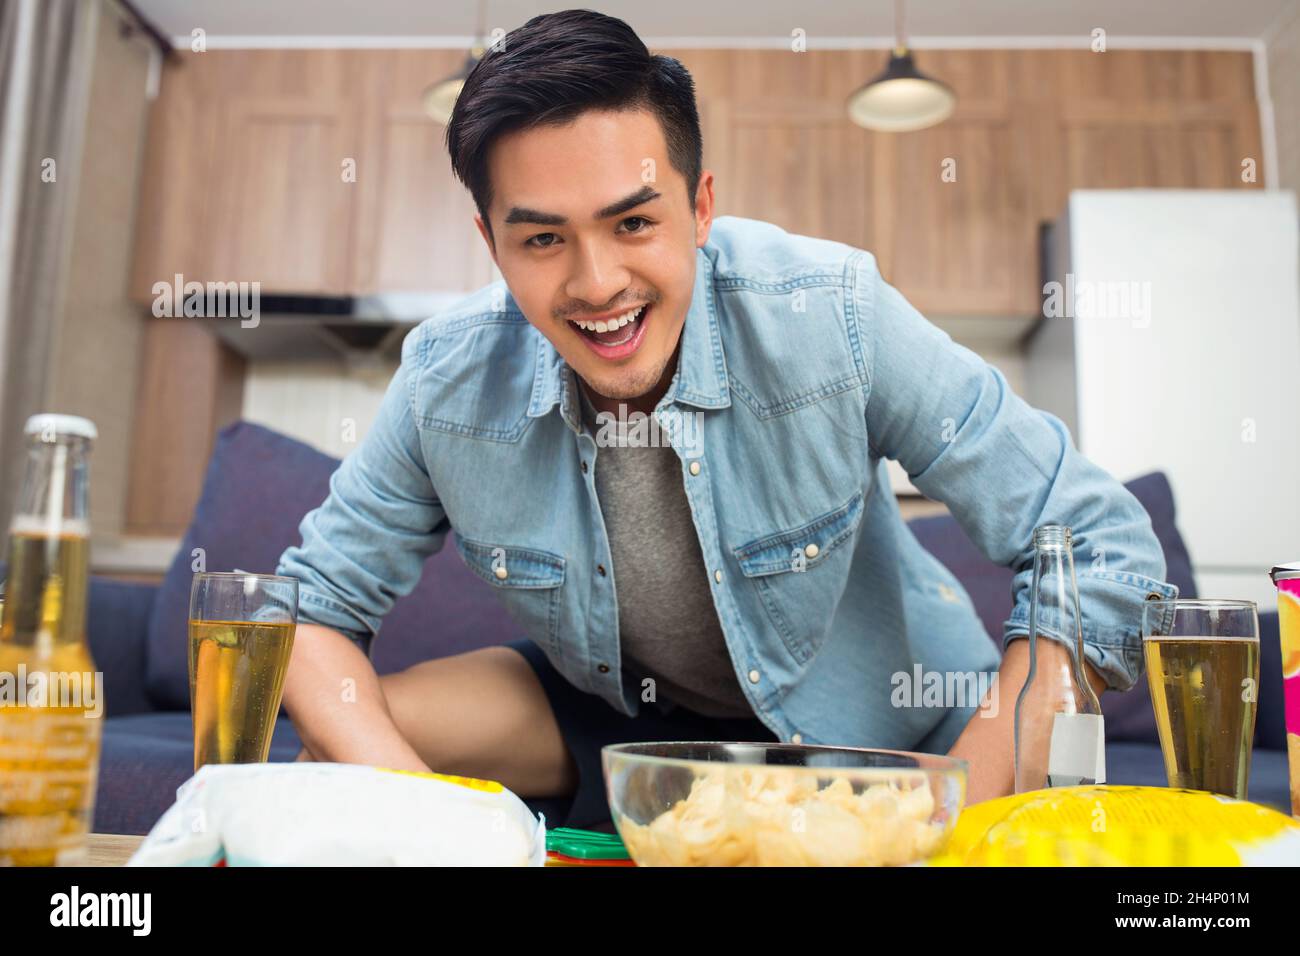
312,327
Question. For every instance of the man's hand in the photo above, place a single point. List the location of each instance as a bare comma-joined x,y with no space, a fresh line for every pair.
988,743
353,727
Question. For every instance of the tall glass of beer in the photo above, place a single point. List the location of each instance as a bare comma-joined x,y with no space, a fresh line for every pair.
241,636
1203,670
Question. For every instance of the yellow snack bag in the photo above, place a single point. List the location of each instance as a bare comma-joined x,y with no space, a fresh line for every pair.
1121,826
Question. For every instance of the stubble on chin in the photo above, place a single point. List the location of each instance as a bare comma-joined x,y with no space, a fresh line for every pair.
625,387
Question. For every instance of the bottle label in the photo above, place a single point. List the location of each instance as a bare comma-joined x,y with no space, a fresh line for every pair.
48,772
1078,751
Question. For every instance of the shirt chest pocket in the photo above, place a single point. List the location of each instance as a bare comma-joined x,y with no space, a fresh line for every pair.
527,581
798,574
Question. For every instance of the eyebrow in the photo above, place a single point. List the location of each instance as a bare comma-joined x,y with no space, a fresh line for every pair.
522,214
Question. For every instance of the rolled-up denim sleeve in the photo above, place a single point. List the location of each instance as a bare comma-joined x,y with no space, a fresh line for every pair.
365,545
1003,468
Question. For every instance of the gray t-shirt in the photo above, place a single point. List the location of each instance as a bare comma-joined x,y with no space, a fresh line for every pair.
668,626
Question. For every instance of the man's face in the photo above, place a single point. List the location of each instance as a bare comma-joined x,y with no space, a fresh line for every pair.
592,226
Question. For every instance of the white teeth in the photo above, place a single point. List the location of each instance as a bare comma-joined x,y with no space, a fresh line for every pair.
609,325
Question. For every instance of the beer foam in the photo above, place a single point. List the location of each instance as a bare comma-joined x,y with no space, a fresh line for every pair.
42,525
1211,638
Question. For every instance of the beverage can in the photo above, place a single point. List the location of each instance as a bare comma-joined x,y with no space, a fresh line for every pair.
1287,579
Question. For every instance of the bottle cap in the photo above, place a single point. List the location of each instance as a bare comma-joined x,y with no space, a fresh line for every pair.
1285,572
61,425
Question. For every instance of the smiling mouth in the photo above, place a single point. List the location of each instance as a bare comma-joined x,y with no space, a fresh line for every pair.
612,338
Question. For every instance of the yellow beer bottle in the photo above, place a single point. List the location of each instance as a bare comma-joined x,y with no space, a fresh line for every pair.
51,704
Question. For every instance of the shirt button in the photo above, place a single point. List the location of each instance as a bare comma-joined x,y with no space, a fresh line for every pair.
695,468
811,551
603,668
584,467
502,573
717,575
753,677
600,569
796,738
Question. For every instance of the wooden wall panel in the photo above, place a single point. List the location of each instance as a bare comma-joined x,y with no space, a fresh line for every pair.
184,397
805,167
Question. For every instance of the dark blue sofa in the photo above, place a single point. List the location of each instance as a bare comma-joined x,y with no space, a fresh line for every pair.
258,486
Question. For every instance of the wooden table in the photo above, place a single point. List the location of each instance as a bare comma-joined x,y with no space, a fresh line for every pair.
111,849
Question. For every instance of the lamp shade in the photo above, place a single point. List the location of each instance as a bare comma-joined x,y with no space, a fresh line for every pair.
901,98
440,99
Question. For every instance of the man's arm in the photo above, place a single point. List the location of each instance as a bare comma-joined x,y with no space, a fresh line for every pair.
362,548
1004,468
988,743
342,719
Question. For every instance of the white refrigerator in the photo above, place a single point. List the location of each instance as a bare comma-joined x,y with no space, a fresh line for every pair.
1171,341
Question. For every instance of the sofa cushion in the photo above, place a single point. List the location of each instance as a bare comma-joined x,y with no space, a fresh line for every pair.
1157,497
1270,717
116,629
259,485
1140,764
145,757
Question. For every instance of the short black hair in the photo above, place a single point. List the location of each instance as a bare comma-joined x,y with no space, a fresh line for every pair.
557,66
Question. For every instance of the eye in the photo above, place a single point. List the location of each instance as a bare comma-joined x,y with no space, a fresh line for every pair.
641,219
545,245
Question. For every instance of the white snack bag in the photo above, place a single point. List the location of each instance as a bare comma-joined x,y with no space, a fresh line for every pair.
327,814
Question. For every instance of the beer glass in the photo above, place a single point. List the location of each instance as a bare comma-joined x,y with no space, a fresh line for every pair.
241,635
1204,680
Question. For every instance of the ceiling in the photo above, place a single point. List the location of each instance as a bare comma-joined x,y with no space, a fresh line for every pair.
741,22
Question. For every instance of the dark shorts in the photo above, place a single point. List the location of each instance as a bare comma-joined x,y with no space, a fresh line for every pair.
588,723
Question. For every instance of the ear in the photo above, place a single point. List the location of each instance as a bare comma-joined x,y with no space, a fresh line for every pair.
487,238
704,208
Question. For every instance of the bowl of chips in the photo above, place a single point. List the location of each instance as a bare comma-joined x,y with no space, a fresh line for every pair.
771,804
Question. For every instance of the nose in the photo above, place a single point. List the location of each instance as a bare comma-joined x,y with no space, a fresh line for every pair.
597,277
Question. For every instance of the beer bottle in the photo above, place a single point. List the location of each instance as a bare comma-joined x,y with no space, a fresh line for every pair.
1060,736
51,706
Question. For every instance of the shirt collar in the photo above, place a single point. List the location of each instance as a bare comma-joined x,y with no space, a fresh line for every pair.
701,376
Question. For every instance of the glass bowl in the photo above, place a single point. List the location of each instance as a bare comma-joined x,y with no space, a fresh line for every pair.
771,804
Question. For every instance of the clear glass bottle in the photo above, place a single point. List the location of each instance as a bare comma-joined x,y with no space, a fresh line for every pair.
1059,729
51,718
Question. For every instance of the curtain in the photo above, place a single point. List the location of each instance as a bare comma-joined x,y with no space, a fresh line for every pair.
46,62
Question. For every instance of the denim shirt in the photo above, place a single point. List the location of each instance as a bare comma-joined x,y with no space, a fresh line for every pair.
800,371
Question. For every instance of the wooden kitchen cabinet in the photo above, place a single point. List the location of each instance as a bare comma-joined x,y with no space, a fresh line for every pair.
284,209
1146,147
959,239
805,168
310,171
243,177
954,246
1030,125
415,226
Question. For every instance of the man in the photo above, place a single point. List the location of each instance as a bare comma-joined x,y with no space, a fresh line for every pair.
734,566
